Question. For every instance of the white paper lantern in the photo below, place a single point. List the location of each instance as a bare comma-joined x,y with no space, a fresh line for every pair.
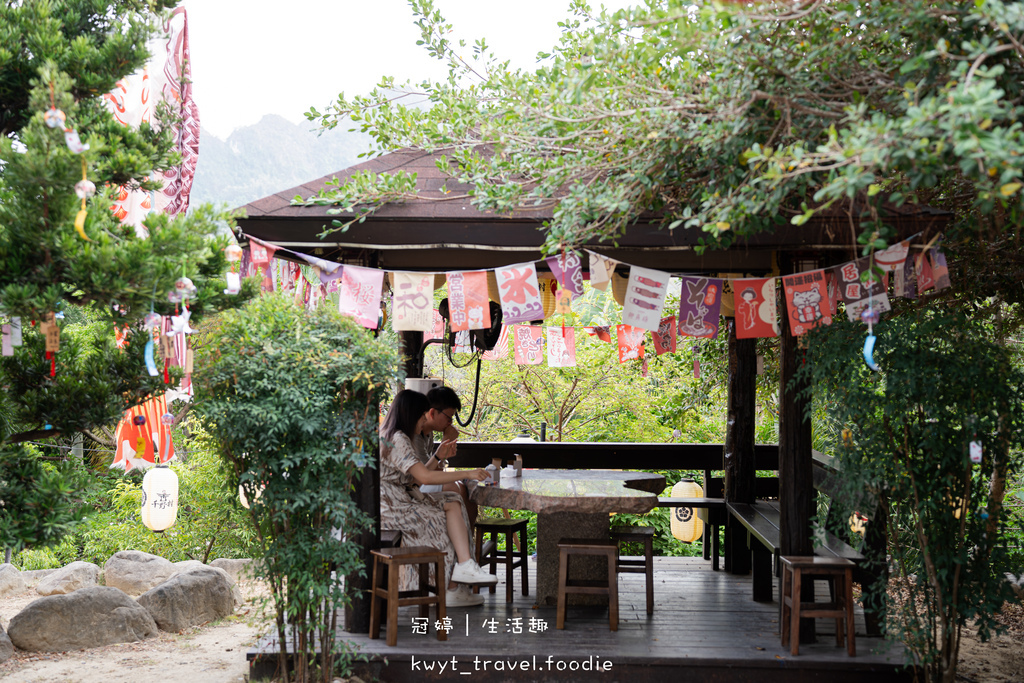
686,525
159,498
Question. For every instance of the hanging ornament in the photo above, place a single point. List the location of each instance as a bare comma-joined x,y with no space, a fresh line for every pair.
233,253
152,320
84,188
148,355
870,316
173,297
179,324
73,142
185,288
54,118
976,451
234,283
159,498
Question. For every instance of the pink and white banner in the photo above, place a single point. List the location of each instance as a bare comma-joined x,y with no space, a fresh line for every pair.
413,302
645,297
468,305
520,293
568,272
529,345
561,347
359,294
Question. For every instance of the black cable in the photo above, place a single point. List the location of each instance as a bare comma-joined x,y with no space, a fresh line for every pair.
476,394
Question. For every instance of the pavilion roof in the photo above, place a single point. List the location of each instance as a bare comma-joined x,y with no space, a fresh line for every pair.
440,229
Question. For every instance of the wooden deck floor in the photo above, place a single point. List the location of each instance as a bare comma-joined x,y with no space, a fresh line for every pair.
705,628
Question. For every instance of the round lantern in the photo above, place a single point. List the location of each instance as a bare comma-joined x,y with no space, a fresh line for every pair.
159,498
547,295
619,285
233,253
686,525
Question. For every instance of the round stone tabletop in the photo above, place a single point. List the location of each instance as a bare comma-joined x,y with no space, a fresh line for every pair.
585,491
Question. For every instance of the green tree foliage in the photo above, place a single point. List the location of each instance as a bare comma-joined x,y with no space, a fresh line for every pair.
944,386
68,54
291,398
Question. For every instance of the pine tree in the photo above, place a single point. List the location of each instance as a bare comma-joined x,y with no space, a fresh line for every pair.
66,54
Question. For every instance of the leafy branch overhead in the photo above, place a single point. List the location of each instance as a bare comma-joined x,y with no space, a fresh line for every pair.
727,119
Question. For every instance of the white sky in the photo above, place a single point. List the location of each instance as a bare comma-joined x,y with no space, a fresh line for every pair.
256,57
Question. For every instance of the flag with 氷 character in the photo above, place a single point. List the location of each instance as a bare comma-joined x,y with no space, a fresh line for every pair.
568,272
468,305
561,347
519,293
700,304
861,286
359,294
528,342
631,342
412,305
664,338
141,437
645,297
754,305
806,301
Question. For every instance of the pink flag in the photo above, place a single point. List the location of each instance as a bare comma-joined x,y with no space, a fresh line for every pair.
438,331
664,337
806,301
568,272
529,345
500,349
359,294
755,308
413,302
468,305
631,342
520,293
561,347
645,297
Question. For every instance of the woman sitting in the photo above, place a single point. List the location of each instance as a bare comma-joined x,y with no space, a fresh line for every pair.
438,520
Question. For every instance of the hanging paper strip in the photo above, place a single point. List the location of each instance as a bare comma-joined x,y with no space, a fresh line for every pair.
500,349
561,347
529,345
700,303
631,342
905,281
664,337
141,438
754,302
15,331
520,293
413,299
468,302
8,349
645,297
806,301
603,333
923,271
358,295
568,272
940,271
601,269
437,332
892,259
858,293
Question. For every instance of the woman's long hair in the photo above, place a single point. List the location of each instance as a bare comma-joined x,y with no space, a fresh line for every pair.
405,411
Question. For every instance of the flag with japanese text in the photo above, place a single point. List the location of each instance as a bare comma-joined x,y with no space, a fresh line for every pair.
860,286
520,293
645,297
359,294
631,342
437,332
832,287
412,302
561,347
940,271
468,305
754,302
528,342
500,349
806,301
700,303
568,272
892,259
905,281
664,338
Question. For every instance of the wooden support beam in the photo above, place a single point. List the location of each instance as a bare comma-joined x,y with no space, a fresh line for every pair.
366,494
796,475
738,453
412,358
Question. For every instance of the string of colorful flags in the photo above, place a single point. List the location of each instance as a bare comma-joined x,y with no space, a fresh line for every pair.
527,296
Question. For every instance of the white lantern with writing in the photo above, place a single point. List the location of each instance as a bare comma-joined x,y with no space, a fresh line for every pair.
686,526
159,498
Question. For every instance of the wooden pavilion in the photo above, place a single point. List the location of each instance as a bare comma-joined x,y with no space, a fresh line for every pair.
440,230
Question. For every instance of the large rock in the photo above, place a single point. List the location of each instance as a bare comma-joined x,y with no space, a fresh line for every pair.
135,572
190,599
6,646
186,566
236,569
11,580
87,618
70,578
34,576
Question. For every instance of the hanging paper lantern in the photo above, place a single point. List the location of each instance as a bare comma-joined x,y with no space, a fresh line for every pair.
619,285
233,253
686,525
547,295
159,498
493,293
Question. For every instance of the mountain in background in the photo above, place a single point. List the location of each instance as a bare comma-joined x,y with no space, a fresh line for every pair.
273,155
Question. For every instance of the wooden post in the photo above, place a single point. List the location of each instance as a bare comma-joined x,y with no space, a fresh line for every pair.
738,454
412,343
796,476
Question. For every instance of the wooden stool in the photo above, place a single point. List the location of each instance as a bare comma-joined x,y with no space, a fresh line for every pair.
839,572
508,527
568,547
631,565
393,559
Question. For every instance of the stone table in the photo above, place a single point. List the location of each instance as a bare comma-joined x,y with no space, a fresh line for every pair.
571,504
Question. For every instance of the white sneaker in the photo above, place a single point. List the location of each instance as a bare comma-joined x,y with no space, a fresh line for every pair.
470,572
462,597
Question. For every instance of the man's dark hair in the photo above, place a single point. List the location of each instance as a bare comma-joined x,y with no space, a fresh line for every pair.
442,398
